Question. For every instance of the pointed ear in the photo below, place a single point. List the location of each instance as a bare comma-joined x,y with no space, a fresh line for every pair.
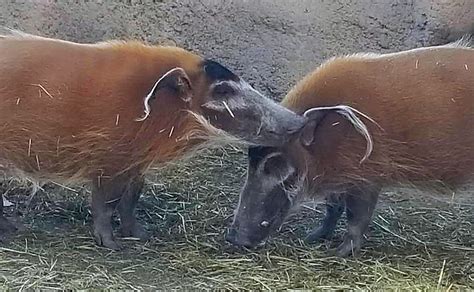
217,72
314,119
175,80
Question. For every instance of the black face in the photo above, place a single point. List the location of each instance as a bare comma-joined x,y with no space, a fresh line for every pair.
237,108
266,199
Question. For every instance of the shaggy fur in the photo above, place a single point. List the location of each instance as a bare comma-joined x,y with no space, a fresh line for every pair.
423,100
54,117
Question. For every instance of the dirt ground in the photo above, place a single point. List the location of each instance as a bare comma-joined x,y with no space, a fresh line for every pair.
419,241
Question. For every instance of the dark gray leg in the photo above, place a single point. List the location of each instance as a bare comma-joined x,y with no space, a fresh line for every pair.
106,194
334,210
129,226
5,226
360,205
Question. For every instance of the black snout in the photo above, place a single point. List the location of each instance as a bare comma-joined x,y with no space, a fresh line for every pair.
231,235
235,238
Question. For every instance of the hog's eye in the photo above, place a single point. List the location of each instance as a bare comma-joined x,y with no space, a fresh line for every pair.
264,223
290,181
275,165
224,89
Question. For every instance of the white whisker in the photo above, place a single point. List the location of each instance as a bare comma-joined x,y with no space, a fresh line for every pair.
228,109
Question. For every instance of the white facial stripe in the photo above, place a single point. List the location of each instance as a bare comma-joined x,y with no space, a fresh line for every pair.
235,85
245,85
289,169
266,158
241,85
232,103
273,154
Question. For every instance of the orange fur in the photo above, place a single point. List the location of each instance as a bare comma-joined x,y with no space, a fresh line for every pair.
68,111
104,113
423,100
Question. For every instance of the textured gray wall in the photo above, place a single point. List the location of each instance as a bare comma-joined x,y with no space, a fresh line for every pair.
272,43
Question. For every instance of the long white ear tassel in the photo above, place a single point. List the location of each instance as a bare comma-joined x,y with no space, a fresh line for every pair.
152,91
349,113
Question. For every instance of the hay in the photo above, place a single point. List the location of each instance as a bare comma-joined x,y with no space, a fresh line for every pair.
416,243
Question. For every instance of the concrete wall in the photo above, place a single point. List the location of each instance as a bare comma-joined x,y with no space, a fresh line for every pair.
272,43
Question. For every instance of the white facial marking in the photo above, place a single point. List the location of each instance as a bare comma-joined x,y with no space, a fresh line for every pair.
266,158
232,103
245,85
264,223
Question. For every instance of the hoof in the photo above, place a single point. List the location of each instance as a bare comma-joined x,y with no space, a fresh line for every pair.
107,241
347,248
136,232
317,235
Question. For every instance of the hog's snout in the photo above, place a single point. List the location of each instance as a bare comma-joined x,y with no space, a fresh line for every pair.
291,122
279,133
234,237
231,235
296,126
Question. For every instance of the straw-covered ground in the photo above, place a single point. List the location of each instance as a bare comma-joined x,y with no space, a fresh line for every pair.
416,242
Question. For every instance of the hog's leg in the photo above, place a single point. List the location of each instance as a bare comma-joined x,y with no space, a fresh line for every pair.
129,226
5,226
334,210
106,194
360,205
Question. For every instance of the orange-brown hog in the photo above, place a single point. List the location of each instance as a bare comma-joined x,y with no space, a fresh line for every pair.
105,112
415,111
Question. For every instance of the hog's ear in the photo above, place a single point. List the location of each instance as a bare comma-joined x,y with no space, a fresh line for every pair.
175,80
309,129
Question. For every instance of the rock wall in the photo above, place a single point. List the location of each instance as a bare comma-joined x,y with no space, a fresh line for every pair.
272,43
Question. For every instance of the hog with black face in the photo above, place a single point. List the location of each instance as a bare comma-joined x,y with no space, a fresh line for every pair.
274,187
413,125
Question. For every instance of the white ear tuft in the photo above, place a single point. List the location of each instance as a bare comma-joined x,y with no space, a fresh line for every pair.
349,113
152,92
